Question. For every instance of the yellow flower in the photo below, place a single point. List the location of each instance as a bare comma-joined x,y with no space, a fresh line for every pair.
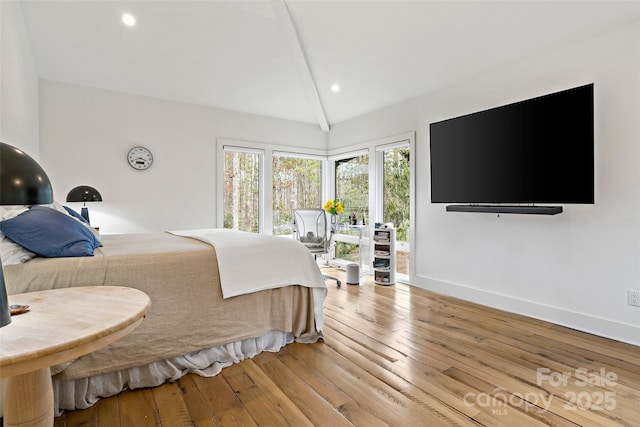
333,207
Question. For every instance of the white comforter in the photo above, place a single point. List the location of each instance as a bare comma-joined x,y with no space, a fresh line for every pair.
250,262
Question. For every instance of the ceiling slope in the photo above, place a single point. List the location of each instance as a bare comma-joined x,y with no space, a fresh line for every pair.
279,58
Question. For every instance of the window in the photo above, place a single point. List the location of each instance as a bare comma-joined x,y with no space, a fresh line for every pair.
242,197
259,184
374,182
352,186
296,184
352,189
396,199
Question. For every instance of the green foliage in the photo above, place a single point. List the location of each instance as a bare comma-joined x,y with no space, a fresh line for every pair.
396,191
241,197
348,251
296,183
352,186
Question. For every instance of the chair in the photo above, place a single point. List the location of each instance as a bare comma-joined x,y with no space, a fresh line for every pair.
310,228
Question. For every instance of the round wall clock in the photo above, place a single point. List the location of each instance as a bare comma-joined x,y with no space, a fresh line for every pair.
140,158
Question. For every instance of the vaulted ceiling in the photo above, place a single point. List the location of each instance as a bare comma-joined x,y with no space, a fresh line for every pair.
280,58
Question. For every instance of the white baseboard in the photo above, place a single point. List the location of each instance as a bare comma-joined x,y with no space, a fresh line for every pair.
583,322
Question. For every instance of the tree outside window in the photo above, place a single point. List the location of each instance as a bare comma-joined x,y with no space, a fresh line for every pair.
297,184
352,186
352,189
396,199
241,203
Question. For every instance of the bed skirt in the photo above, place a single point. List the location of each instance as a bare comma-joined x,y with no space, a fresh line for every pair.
85,392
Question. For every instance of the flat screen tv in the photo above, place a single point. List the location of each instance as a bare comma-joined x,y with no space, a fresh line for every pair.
536,151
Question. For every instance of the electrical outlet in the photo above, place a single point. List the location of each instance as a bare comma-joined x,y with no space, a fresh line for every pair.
634,297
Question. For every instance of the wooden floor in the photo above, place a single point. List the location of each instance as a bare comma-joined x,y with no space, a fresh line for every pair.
401,356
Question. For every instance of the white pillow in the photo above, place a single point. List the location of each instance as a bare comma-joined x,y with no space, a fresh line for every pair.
13,253
8,212
10,251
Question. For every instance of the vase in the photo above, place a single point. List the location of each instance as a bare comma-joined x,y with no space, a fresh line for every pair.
334,219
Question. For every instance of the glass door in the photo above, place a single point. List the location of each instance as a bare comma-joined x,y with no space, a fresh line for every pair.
394,191
352,189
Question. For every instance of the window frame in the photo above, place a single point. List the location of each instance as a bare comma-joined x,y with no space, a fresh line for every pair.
373,148
300,155
261,174
379,199
267,151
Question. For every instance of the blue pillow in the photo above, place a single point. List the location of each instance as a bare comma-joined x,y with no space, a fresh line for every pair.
75,214
50,233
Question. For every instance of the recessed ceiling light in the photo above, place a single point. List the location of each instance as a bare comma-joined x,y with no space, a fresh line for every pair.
335,88
128,20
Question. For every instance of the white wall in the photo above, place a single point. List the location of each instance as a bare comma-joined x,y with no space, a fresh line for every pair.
573,268
18,82
86,134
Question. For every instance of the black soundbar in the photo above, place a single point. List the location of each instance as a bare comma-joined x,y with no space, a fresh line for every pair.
531,210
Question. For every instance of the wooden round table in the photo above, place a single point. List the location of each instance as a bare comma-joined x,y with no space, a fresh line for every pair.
61,324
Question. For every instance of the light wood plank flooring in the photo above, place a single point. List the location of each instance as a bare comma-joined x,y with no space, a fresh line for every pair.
402,356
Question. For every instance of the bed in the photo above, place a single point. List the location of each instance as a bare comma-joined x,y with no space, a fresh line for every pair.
191,326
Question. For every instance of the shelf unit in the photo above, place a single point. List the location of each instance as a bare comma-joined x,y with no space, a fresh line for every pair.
384,256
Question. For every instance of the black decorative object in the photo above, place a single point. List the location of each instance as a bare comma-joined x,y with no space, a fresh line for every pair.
539,151
22,182
84,193
531,210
